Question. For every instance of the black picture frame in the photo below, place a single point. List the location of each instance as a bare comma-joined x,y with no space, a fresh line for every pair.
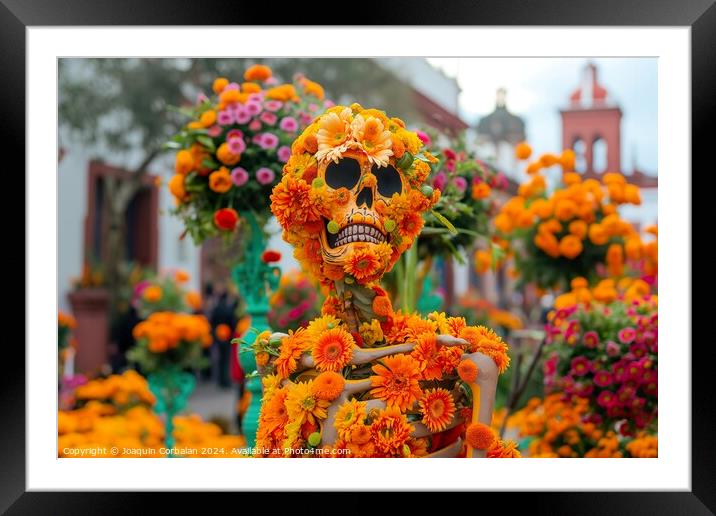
700,15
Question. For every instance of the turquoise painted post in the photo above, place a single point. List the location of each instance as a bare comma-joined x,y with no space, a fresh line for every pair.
428,301
171,387
254,280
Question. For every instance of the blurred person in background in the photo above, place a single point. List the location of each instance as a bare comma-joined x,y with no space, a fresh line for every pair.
223,322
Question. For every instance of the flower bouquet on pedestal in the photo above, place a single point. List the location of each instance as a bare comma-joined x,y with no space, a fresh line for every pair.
574,231
165,293
294,303
230,154
169,344
364,380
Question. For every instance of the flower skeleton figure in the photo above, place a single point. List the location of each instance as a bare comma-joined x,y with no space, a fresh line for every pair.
363,380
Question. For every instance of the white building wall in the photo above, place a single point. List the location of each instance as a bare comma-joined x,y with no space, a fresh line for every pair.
426,79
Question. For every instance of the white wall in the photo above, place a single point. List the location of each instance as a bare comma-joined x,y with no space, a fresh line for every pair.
422,76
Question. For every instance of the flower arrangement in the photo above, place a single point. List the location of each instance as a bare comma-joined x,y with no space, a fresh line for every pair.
468,189
117,412
557,426
167,340
353,170
574,231
293,305
120,391
165,293
230,153
603,349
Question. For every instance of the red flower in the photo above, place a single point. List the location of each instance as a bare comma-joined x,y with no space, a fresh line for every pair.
270,256
226,219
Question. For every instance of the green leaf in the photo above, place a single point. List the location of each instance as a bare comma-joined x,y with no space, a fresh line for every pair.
206,142
445,222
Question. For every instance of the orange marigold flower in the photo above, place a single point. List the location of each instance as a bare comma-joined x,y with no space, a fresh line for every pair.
487,342
220,181
570,246
467,371
292,347
350,413
333,350
208,118
480,436
219,84
503,450
223,332
397,381
360,434
481,191
382,306
257,72
598,234
390,432
184,162
328,385
273,413
523,150
177,188
438,409
427,354
152,293
250,87
291,203
362,263
410,225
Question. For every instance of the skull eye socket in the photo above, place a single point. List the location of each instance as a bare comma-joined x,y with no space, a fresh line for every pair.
344,174
389,181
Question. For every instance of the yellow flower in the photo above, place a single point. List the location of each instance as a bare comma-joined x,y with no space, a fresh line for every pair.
371,332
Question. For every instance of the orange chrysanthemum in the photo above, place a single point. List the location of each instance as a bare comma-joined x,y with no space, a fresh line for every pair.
360,434
480,436
382,306
333,350
467,370
438,409
274,414
410,225
304,406
486,341
390,432
328,385
292,347
363,262
291,202
397,381
257,72
426,353
351,413
503,450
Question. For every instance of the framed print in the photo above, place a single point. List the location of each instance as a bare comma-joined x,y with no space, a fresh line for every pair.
377,243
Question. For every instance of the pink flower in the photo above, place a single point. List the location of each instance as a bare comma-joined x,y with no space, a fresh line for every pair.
580,366
329,104
606,399
271,81
234,133
288,124
214,131
591,339
423,138
638,349
313,107
237,145
239,176
602,378
305,118
242,116
295,313
265,175
284,153
233,86
273,105
440,181
253,108
226,117
201,98
450,154
460,183
626,335
612,348
268,118
268,141
256,97
255,125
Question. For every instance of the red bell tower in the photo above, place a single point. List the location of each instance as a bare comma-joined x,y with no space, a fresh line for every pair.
591,126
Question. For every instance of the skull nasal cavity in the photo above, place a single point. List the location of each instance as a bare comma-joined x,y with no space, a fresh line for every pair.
365,197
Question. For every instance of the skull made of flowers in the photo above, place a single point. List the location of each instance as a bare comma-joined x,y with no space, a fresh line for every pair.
352,196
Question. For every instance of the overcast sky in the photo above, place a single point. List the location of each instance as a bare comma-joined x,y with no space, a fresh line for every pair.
538,87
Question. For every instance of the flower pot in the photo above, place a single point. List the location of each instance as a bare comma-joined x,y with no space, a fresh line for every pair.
91,310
